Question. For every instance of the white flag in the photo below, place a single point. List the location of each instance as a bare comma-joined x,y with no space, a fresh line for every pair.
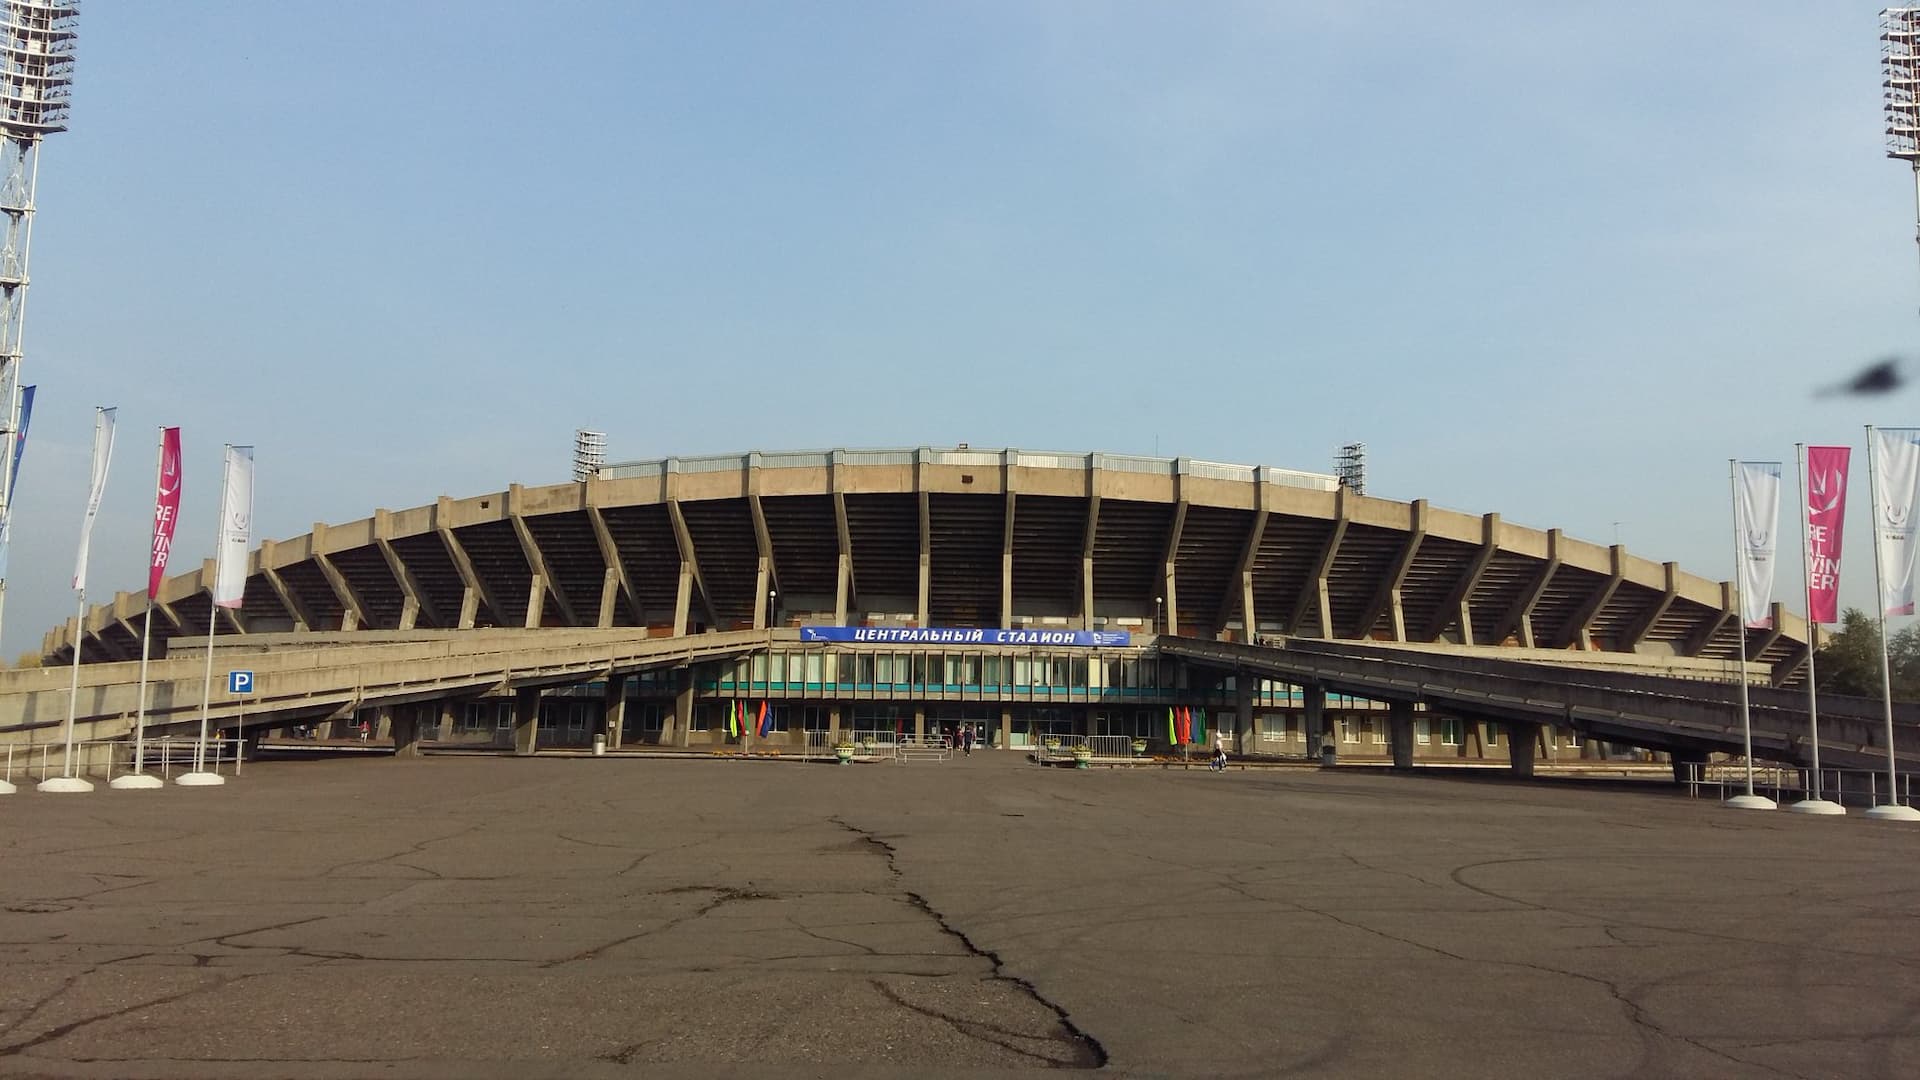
102,456
1896,463
236,528
1756,511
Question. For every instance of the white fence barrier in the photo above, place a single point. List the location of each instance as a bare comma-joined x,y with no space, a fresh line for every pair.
1785,783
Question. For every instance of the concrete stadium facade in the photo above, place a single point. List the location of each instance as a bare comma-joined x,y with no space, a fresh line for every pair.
1003,539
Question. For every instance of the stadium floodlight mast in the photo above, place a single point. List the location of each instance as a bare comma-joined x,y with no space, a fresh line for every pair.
36,76
1900,91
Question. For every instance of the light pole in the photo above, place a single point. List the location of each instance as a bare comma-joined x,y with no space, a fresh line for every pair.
1900,78
36,79
1157,601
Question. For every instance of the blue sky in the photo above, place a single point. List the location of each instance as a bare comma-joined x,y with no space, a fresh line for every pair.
1559,262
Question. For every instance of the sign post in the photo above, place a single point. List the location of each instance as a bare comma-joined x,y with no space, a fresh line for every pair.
239,684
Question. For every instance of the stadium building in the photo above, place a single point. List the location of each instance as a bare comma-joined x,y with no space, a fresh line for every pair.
914,591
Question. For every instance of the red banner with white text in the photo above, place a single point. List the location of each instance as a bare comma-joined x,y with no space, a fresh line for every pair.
1826,516
166,507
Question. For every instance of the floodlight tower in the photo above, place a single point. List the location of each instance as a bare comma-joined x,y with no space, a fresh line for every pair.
1900,91
36,74
589,453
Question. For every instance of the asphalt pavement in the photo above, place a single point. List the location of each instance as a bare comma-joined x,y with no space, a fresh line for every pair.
613,917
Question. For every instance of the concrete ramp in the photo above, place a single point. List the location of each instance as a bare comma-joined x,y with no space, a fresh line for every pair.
304,682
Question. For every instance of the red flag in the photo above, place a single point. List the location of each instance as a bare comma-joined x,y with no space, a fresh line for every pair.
166,507
1826,497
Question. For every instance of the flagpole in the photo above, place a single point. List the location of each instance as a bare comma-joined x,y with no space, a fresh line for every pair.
1814,802
100,460
1749,800
138,778
1891,808
73,684
200,777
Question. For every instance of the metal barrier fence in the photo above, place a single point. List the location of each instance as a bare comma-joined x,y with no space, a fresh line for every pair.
1103,748
924,748
1790,783
108,758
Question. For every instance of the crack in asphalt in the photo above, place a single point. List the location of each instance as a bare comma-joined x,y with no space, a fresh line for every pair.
1091,1054
63,1030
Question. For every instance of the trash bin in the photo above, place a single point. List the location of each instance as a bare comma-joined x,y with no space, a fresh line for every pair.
599,745
1326,756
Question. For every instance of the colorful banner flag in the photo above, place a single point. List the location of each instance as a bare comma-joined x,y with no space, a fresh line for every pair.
1894,462
1826,518
20,442
1756,512
1200,727
102,457
765,721
1173,732
166,507
236,528
13,477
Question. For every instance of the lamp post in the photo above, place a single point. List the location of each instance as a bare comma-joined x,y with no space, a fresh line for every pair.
36,81
1900,84
1157,601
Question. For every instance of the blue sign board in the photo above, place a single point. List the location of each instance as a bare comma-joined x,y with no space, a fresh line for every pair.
961,635
239,682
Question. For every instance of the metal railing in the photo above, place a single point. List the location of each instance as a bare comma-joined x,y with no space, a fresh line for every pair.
1103,748
108,758
1785,783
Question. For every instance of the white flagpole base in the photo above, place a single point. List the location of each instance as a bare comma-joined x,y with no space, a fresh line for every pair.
63,784
6,788
199,779
1751,802
1893,812
136,782
1817,806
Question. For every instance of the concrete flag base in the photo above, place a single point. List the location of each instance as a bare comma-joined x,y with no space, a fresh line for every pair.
64,785
136,782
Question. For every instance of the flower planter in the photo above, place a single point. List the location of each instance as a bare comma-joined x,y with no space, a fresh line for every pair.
844,754
1139,746
1083,759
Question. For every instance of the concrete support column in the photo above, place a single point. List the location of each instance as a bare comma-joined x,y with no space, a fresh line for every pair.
1522,737
1686,763
1315,698
843,583
1244,737
1400,733
382,726
614,714
1086,592
444,721
1006,728
526,722
919,723
683,599
682,710
406,731
833,724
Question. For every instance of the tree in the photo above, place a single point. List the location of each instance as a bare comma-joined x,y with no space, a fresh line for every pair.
1849,662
